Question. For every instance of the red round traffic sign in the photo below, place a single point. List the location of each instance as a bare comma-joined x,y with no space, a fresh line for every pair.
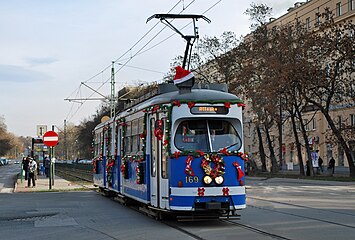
50,138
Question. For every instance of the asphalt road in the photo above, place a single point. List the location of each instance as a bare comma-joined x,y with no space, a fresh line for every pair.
276,209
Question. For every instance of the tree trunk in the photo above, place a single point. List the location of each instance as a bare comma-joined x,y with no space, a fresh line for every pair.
274,165
298,145
261,150
342,142
305,138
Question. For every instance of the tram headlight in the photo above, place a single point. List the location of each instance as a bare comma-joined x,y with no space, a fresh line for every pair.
207,179
219,180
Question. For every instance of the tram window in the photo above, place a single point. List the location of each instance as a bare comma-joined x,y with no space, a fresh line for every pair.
192,135
164,159
207,136
154,148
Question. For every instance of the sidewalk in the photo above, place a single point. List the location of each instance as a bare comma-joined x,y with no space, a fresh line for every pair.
42,184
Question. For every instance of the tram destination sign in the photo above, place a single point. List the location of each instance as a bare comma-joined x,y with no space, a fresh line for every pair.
209,110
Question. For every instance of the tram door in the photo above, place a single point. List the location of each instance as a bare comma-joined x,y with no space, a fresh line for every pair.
158,182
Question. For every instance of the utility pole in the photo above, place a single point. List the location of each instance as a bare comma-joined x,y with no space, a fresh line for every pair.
112,97
65,140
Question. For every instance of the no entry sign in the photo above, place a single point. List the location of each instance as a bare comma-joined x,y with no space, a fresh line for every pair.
50,138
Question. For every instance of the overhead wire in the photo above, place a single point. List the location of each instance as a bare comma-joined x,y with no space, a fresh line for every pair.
140,51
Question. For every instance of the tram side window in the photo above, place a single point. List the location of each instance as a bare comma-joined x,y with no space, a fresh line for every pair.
135,136
154,148
127,138
164,155
140,131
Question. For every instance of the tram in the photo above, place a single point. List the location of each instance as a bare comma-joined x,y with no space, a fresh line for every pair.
179,151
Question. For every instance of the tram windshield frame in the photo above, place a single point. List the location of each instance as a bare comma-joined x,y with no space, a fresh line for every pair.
207,135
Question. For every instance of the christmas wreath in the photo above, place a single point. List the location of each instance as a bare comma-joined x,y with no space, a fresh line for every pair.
217,170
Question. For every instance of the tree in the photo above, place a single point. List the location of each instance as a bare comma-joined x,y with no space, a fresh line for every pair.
330,81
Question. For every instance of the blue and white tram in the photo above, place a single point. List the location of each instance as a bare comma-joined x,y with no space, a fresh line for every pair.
179,152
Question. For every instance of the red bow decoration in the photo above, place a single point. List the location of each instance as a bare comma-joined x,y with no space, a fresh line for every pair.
176,154
142,135
165,142
155,109
201,192
227,104
190,104
224,151
177,103
240,171
241,105
200,152
225,191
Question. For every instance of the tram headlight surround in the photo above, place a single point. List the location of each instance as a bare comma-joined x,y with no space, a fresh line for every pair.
219,180
207,180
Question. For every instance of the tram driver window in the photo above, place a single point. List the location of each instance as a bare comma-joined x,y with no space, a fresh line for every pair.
207,136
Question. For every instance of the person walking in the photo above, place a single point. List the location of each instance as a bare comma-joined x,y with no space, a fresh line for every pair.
25,163
320,163
331,165
32,168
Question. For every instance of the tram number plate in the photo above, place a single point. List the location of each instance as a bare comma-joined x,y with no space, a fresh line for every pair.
191,179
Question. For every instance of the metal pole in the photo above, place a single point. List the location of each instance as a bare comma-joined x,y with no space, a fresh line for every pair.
50,167
53,161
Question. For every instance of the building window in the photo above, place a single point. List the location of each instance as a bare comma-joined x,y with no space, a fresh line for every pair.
318,15
338,9
314,124
308,23
352,120
350,5
306,126
339,122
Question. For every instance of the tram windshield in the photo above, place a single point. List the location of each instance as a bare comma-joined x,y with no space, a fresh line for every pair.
207,136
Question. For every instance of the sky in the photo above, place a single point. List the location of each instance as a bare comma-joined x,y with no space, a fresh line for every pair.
54,50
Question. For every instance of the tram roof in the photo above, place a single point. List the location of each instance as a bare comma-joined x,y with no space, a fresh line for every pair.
166,93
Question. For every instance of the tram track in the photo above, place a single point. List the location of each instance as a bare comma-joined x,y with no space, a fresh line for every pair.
300,215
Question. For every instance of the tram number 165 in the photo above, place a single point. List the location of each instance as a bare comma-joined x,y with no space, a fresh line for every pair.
191,179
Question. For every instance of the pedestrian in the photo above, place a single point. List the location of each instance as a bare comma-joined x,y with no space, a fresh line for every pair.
46,166
331,165
320,163
308,171
32,169
25,163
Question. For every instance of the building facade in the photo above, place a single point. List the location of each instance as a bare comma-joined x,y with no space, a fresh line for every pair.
311,13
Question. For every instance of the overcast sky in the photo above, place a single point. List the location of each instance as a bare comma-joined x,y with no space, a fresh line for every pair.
48,48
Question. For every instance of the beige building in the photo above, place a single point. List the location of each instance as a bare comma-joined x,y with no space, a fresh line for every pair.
311,13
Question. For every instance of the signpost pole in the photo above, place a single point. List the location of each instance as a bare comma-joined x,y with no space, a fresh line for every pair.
51,139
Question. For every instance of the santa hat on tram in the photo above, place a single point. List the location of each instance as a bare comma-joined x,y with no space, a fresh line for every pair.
182,75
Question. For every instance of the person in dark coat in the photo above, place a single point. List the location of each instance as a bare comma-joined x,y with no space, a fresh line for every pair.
320,163
25,162
331,165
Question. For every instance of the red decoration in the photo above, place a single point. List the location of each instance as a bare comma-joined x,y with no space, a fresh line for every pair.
227,104
122,168
241,105
188,169
165,142
190,104
224,151
177,103
218,168
158,133
225,191
240,172
176,154
155,109
142,135
201,191
200,152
